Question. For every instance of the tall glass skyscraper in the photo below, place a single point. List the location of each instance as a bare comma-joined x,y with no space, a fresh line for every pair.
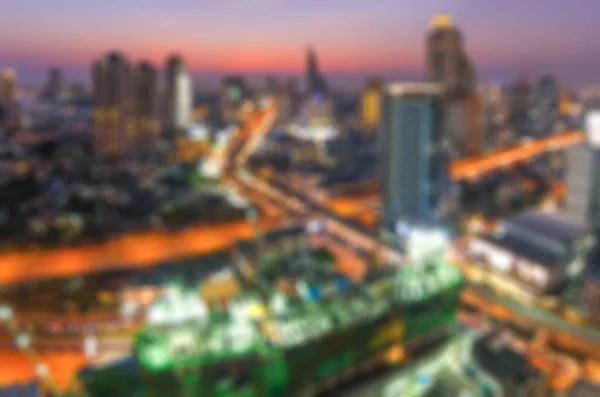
414,164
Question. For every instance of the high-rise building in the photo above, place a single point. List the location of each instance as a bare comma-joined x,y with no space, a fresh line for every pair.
114,121
414,165
289,99
8,95
315,83
580,168
474,143
53,88
179,97
583,180
546,110
145,92
233,91
8,79
447,64
520,96
371,103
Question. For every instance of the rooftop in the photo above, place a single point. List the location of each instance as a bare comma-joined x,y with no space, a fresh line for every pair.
545,225
440,21
539,253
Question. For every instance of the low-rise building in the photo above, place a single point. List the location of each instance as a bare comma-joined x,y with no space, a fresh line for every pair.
533,254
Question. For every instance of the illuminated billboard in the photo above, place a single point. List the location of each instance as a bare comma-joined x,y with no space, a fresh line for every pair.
592,127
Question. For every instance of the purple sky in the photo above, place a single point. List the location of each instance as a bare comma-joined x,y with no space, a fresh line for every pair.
352,37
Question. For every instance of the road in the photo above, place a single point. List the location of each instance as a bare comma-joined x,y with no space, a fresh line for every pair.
475,168
16,367
579,340
131,251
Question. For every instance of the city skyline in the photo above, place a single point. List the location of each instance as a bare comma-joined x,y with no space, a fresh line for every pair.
269,36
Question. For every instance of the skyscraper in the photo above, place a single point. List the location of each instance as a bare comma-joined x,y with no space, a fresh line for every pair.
8,104
52,90
583,178
414,166
232,93
145,93
447,64
371,103
114,122
179,98
289,99
315,83
546,111
520,105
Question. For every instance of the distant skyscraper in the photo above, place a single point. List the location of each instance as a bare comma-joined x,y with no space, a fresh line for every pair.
52,90
414,166
314,80
447,64
233,91
371,103
520,96
8,95
546,111
289,99
114,122
179,96
145,93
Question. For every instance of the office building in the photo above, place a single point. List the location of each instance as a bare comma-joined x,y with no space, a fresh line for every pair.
145,94
413,160
315,83
520,99
546,111
9,119
179,97
8,79
581,163
371,104
232,93
583,178
114,121
53,88
288,99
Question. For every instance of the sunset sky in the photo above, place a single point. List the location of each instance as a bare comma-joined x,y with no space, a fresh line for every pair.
352,37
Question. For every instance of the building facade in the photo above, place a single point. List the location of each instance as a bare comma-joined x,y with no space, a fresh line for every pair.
546,111
371,104
114,107
413,167
315,83
232,93
145,80
179,97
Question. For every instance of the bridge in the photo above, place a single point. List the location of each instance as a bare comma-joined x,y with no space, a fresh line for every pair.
476,167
